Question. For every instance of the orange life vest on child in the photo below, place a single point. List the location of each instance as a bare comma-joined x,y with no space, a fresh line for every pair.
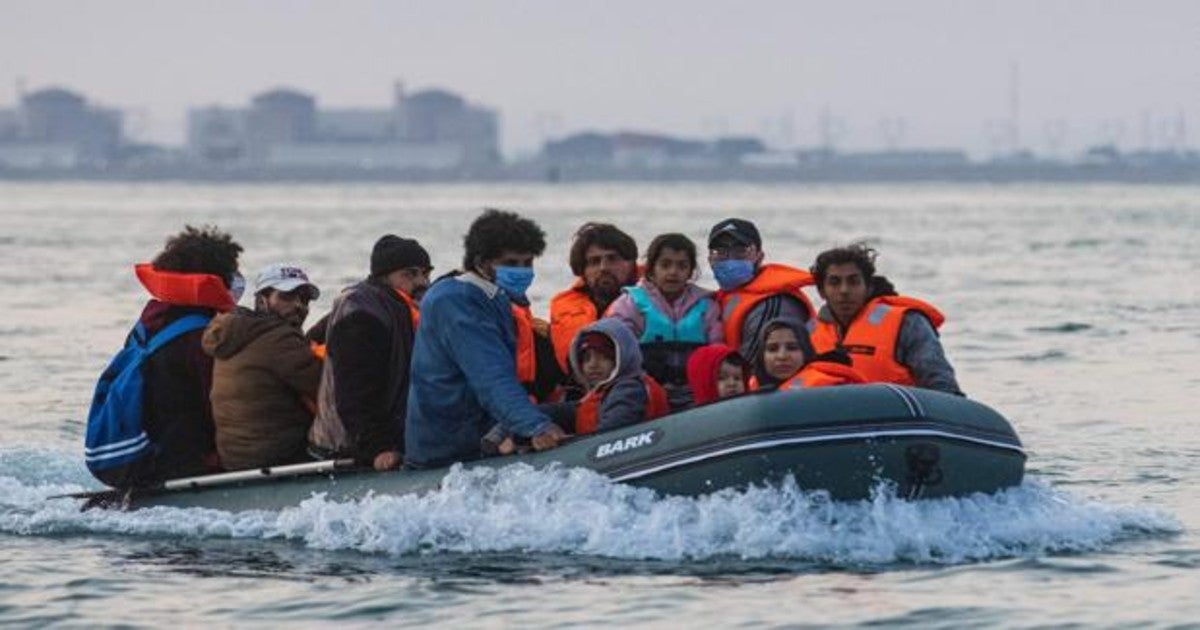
823,374
870,339
570,311
587,414
185,289
772,279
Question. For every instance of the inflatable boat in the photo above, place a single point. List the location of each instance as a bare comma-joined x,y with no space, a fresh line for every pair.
847,441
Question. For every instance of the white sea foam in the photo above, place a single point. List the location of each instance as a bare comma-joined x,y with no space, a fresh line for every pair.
577,511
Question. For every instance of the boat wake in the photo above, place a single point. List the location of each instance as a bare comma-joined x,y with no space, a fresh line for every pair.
576,511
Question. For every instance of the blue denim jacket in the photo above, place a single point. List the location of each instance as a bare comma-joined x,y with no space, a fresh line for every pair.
464,374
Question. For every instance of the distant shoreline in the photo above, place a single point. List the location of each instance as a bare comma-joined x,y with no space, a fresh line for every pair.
982,173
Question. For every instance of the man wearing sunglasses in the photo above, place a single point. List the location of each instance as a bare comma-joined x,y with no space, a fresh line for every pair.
753,293
264,375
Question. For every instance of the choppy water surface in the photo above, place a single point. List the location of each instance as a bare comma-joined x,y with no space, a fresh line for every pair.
1073,310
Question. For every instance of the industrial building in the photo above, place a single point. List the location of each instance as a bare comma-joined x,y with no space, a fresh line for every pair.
57,129
285,130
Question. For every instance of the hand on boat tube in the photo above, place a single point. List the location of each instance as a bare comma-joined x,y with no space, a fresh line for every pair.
549,438
387,460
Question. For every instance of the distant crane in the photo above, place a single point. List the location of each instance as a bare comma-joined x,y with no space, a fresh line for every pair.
1014,106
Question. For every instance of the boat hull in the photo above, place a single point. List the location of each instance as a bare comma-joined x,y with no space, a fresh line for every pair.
844,440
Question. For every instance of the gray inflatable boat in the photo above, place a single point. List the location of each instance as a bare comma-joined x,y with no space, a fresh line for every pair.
844,440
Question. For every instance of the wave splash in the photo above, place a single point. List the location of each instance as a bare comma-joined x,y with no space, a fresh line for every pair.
577,511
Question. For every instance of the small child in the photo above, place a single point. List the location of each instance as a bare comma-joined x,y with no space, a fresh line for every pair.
716,372
669,314
606,360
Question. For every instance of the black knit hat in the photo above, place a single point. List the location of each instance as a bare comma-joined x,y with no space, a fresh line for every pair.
392,252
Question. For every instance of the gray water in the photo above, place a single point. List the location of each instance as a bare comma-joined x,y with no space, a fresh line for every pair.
1073,310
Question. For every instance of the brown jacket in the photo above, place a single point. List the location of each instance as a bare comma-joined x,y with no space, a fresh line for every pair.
263,374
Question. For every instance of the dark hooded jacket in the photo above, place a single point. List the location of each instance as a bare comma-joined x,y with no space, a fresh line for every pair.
624,397
265,379
364,382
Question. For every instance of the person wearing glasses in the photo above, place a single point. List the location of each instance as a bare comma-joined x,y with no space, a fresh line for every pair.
753,293
363,398
265,377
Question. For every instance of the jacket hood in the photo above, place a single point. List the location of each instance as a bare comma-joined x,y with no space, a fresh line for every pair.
703,368
228,333
629,354
805,344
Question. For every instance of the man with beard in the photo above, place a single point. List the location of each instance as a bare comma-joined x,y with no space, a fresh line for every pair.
604,260
265,376
369,339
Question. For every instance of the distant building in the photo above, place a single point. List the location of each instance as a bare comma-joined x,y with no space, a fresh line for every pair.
647,151
906,159
285,129
55,128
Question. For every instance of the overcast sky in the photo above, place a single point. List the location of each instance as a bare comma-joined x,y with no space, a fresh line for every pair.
1088,71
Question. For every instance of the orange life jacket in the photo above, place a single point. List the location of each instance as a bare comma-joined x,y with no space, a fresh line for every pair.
771,280
570,311
587,414
823,374
526,354
413,310
870,340
185,289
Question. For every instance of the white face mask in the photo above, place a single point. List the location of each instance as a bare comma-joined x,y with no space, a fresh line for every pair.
237,287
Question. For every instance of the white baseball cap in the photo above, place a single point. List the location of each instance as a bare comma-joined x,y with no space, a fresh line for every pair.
285,278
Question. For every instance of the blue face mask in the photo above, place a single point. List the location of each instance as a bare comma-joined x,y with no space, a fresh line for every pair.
514,280
732,274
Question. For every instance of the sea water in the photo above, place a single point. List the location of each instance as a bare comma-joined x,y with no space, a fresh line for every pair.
1073,310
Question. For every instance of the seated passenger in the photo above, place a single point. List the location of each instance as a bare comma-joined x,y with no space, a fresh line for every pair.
265,376
604,357
170,433
669,314
369,335
891,338
464,366
788,360
753,292
603,259
715,372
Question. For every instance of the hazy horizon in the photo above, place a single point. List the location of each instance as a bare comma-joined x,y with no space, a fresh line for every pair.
700,68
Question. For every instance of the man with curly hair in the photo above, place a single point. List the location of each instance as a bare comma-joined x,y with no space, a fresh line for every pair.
196,274
464,369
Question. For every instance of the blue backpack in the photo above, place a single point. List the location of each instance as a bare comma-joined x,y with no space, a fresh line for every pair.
115,436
